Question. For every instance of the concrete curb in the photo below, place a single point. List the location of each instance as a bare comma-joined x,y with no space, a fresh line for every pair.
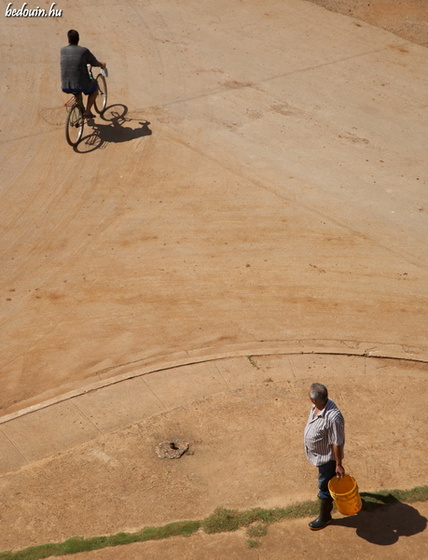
149,366
75,418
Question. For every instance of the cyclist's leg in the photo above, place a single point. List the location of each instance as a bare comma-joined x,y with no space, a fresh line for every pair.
91,100
79,99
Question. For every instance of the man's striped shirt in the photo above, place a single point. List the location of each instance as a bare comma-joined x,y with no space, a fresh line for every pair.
323,430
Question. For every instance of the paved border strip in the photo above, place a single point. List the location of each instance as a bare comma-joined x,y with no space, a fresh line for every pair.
149,366
74,419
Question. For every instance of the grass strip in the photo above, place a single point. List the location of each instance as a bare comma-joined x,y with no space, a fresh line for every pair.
226,520
85,544
221,521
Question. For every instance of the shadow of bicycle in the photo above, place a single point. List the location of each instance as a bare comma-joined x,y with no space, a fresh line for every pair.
117,128
384,519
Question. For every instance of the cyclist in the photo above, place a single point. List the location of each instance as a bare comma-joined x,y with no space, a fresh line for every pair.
75,77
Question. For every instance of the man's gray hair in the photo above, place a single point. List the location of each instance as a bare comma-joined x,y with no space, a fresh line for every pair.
319,392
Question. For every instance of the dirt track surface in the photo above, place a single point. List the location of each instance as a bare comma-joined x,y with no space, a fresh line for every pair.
278,193
259,179
406,18
245,451
401,526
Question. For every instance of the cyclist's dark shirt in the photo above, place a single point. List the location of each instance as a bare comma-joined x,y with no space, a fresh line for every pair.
74,72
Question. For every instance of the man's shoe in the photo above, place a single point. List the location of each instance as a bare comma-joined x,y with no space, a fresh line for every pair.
324,518
319,523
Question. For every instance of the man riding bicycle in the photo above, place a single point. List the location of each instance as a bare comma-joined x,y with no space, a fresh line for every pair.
75,77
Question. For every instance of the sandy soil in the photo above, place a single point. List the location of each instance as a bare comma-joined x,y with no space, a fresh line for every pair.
254,205
245,451
291,541
406,18
278,193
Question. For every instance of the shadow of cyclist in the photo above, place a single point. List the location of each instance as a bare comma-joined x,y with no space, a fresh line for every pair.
118,128
384,523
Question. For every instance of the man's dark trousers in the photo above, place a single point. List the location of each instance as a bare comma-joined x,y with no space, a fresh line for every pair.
325,473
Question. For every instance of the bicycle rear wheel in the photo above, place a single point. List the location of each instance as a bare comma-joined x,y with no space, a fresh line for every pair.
101,98
74,125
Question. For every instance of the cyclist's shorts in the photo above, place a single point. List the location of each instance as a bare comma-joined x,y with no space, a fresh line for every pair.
94,87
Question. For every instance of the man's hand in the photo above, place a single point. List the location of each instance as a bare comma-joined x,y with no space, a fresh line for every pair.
340,471
338,456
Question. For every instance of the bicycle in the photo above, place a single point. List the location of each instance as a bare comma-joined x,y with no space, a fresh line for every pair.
101,99
75,121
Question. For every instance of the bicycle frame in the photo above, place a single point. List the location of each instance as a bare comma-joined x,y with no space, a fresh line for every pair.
77,99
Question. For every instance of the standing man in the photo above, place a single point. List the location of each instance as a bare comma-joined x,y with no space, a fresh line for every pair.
74,71
324,439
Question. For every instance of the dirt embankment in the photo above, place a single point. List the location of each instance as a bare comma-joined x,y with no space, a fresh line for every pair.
406,18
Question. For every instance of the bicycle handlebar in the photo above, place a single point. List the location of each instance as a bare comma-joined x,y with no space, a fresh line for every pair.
104,71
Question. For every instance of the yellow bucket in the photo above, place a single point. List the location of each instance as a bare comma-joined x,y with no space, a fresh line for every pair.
344,492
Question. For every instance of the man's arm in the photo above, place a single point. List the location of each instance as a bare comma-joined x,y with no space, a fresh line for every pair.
338,456
92,60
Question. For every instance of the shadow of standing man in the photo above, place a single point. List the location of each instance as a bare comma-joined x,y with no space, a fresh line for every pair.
384,523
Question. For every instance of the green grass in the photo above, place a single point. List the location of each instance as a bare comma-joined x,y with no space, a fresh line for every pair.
253,543
225,520
81,544
222,520
257,530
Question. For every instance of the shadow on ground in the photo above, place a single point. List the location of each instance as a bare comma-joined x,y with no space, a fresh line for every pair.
118,128
385,522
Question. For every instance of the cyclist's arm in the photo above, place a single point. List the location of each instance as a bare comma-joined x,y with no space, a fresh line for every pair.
90,59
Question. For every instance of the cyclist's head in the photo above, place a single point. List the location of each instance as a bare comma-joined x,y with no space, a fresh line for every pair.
73,37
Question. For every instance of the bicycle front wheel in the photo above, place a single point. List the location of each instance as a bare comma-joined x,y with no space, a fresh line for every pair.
74,125
101,98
